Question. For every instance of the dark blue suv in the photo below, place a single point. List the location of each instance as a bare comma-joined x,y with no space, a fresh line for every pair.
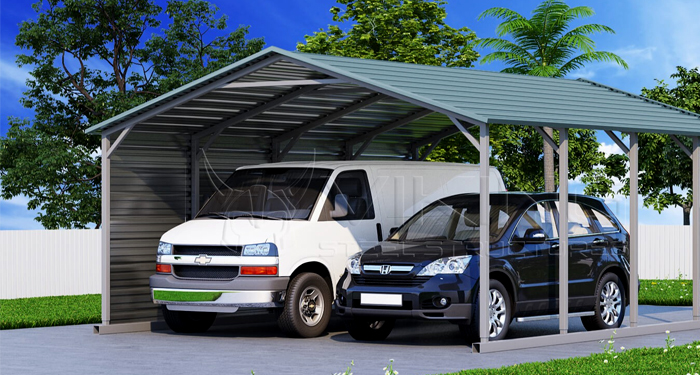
429,267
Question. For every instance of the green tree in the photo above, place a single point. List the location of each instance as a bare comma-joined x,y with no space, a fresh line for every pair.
91,60
666,178
397,30
545,45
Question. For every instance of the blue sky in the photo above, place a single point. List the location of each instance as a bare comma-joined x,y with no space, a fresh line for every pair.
653,36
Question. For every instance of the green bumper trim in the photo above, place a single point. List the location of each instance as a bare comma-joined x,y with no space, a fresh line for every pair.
177,296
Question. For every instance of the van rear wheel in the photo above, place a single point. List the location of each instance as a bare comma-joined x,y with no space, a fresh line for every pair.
188,321
307,307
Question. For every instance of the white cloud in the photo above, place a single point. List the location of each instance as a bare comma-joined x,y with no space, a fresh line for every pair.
585,73
19,200
12,75
609,149
635,55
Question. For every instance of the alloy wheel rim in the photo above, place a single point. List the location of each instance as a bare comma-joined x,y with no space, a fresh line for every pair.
311,306
497,312
610,303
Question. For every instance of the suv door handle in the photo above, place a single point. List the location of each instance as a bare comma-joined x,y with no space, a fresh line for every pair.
598,241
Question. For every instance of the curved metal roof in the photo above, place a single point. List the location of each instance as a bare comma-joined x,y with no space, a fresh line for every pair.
300,101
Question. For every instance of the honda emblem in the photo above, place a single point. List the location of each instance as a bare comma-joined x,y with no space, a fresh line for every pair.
385,269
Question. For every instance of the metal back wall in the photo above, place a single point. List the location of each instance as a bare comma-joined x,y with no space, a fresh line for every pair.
149,195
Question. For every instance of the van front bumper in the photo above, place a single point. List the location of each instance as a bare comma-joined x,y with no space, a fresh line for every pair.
220,296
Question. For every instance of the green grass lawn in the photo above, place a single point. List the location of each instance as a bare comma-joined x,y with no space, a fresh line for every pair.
676,292
50,311
64,310
682,359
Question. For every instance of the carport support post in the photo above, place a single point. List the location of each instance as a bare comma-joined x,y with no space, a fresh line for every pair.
695,257
194,177
484,233
563,230
634,228
105,229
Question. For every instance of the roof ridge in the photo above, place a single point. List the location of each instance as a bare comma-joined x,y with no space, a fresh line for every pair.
652,101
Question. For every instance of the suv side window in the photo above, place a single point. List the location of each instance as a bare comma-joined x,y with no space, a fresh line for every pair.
605,223
349,198
579,223
538,216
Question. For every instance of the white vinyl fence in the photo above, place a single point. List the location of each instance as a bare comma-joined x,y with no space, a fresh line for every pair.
35,263
664,251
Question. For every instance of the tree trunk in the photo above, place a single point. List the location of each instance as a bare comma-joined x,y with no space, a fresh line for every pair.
686,214
549,185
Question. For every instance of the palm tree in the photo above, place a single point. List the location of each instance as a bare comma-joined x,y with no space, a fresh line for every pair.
545,45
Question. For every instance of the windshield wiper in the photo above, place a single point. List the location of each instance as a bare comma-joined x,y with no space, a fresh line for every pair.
220,215
258,216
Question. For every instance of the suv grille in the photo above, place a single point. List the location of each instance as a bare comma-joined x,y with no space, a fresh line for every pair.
389,281
209,250
206,272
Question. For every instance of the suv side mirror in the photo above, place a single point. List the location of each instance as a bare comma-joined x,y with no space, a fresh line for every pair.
532,236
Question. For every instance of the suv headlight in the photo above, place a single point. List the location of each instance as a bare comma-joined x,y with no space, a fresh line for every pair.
165,248
353,264
260,249
450,265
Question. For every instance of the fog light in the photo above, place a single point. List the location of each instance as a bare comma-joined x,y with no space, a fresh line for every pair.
441,302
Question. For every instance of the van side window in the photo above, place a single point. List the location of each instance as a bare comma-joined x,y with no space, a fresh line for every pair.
605,224
349,198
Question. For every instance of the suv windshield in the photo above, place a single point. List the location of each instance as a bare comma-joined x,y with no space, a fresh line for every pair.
267,193
457,219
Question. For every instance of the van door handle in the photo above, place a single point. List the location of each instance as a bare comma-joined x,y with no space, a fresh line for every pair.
380,237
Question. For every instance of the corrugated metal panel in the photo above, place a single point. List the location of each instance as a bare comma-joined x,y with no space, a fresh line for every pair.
149,195
39,263
515,99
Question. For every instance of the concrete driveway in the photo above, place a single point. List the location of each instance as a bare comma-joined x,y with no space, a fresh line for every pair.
257,345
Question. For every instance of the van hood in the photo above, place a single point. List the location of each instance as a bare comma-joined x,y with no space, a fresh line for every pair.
240,231
389,252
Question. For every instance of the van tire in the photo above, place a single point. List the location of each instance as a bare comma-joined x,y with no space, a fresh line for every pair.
368,329
188,321
306,295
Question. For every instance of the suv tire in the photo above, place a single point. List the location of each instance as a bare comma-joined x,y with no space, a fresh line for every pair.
610,304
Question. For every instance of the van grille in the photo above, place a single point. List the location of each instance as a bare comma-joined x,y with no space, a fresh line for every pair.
206,272
209,250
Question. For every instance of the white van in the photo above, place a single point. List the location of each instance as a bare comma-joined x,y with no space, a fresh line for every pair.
278,236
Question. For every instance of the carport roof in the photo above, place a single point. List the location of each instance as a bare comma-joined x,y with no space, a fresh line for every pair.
470,95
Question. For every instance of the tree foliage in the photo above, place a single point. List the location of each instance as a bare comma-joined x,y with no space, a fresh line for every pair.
666,178
91,60
544,45
397,30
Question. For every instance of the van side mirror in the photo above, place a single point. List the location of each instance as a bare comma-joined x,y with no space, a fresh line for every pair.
340,208
532,236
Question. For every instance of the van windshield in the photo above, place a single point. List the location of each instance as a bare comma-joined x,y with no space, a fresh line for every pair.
267,193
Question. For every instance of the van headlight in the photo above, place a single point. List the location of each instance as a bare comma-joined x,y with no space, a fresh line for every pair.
260,249
353,264
450,265
165,248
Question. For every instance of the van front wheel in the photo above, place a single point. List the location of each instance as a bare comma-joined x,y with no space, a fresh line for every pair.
307,307
188,321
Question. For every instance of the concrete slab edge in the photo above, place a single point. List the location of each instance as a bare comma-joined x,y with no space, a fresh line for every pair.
572,338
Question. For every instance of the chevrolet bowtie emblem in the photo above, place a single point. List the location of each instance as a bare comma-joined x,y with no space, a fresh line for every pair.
202,259
385,269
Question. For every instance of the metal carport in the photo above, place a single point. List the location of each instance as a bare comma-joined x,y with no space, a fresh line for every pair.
160,158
